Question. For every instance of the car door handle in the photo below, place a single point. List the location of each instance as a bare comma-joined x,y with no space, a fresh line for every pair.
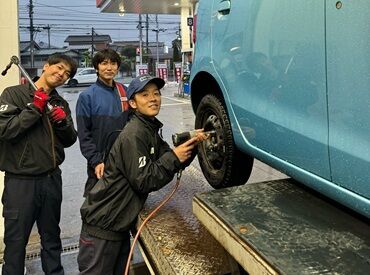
224,7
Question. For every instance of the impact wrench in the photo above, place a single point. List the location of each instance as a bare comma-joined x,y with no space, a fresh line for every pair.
15,60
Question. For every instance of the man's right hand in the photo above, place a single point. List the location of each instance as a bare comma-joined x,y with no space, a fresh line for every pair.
99,170
40,99
184,150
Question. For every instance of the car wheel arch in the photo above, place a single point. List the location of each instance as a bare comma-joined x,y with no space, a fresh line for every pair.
208,95
203,84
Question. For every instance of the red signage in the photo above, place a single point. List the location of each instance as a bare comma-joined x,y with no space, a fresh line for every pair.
99,3
177,72
162,71
143,71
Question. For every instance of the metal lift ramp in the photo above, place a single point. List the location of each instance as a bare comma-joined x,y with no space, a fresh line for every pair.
281,227
174,241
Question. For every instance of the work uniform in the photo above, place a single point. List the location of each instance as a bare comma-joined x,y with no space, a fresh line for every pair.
101,115
139,162
32,148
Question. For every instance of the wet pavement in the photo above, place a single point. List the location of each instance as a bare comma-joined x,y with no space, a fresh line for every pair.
176,114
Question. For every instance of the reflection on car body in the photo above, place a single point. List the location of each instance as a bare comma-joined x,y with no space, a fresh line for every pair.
278,82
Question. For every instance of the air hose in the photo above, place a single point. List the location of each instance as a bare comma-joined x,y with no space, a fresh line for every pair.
151,214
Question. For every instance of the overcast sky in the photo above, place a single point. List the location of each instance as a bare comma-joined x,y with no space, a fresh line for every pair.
77,17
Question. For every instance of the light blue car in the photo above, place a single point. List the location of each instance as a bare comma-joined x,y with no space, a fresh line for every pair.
286,82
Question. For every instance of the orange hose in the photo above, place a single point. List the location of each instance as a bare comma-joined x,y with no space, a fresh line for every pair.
148,218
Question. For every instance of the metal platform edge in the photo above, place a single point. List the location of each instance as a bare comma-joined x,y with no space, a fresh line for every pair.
244,254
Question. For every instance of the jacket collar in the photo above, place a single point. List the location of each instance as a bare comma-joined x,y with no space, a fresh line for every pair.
101,83
32,91
152,122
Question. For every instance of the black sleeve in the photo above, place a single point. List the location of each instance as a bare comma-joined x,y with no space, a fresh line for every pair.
15,121
143,173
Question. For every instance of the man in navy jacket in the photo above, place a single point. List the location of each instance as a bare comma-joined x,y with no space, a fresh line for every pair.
102,111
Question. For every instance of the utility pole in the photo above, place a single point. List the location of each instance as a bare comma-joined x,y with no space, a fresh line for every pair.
156,37
92,43
157,30
48,28
147,34
30,12
49,36
140,40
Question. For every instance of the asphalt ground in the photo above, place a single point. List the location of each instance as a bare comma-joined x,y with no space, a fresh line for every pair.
176,114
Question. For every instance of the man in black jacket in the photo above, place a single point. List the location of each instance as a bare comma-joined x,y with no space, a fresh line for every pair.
35,127
139,162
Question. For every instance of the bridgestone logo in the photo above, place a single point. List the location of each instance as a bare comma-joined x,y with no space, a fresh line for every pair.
3,107
145,77
142,162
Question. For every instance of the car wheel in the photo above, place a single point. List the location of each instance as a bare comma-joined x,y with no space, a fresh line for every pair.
223,165
72,83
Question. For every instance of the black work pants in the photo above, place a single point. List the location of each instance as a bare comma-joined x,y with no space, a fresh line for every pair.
97,256
25,201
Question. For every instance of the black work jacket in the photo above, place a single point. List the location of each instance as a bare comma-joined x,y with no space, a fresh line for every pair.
30,144
139,162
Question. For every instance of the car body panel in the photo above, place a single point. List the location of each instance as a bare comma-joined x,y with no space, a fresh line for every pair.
276,65
349,94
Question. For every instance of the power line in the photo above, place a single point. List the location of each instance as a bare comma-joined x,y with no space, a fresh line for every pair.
82,16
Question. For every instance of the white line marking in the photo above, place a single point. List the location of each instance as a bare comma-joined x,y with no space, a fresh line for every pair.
174,104
177,100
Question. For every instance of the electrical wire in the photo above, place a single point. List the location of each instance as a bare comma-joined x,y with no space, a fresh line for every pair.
151,214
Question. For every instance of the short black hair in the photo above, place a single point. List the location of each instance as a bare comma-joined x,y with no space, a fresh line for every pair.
102,55
59,57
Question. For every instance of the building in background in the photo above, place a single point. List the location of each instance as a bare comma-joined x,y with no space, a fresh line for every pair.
99,42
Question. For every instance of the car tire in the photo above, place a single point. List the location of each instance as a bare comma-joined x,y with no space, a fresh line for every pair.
72,83
223,165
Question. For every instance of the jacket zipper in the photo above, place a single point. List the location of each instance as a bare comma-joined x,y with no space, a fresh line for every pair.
52,143
23,153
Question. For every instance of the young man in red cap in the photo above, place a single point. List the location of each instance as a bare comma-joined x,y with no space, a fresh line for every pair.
139,162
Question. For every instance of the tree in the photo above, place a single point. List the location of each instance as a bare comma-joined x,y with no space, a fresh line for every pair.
86,59
129,52
176,45
128,57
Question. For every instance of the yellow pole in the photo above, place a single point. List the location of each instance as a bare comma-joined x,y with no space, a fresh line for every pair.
9,37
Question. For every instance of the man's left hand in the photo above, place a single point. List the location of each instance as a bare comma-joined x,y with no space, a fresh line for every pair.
57,114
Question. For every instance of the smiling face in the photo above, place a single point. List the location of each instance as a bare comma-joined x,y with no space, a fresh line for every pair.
147,101
53,76
107,70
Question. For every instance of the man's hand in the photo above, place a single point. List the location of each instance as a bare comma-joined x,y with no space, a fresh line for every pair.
99,170
57,114
183,151
40,99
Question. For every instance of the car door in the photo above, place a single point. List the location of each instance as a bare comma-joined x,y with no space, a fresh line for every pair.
87,76
270,56
348,54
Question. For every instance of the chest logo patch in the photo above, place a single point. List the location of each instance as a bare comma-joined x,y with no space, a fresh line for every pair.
3,107
142,161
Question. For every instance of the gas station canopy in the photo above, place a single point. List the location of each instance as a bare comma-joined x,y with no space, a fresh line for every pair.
184,8
144,6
